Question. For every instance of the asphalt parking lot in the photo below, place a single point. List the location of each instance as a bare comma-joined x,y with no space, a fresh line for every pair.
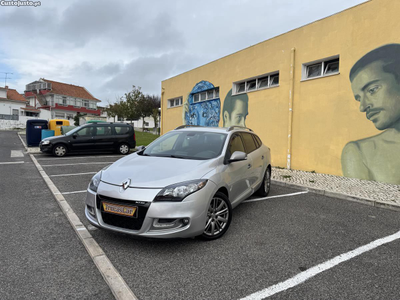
270,244
269,241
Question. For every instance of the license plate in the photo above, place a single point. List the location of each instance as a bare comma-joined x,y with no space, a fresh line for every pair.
128,211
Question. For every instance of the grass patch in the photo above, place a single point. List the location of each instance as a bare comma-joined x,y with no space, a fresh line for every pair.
312,181
286,176
144,138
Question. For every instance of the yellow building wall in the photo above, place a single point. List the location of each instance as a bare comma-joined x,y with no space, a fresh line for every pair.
325,115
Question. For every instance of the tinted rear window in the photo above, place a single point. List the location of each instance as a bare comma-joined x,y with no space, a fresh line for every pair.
249,142
103,130
121,129
258,139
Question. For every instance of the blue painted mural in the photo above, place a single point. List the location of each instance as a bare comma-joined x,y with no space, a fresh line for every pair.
202,113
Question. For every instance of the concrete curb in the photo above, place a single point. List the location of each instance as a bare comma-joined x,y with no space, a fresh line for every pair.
366,201
111,276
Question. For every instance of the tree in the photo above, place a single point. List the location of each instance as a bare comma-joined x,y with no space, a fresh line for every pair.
138,105
131,103
135,105
76,119
155,103
111,110
121,109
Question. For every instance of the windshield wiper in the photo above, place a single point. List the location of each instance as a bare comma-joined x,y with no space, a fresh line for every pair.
172,156
176,156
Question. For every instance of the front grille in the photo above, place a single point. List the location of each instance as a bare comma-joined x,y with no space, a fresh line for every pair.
134,223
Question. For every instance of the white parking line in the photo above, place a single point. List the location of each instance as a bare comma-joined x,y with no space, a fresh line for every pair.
74,157
67,193
114,280
302,277
75,174
11,162
89,163
22,141
17,153
277,196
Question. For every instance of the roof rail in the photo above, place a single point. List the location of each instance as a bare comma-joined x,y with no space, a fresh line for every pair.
184,126
240,127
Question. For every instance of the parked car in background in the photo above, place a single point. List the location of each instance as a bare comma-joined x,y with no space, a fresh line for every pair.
92,137
184,184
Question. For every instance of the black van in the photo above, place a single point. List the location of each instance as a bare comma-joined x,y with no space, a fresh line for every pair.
117,137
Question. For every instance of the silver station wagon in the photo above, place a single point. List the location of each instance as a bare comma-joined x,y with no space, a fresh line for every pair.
184,184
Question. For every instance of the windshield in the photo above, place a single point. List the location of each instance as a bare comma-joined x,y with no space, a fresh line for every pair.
187,145
73,130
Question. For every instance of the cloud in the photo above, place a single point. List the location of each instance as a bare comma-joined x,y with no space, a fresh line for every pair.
108,46
118,22
147,72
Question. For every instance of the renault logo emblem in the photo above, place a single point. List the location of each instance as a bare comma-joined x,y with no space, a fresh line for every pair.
126,183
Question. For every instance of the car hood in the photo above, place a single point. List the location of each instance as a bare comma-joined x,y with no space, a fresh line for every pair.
155,172
50,138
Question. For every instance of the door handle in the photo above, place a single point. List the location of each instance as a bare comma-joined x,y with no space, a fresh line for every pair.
248,166
262,157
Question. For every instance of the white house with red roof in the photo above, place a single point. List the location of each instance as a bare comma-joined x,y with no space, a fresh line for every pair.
62,100
12,104
15,109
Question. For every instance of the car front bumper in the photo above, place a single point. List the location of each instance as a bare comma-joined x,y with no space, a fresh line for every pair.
193,210
46,148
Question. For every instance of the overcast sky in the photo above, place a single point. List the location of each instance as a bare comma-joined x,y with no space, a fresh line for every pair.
108,46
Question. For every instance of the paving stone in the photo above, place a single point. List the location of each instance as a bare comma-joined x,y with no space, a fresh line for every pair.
372,190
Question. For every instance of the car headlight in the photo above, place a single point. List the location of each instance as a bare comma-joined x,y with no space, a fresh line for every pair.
45,142
178,192
95,181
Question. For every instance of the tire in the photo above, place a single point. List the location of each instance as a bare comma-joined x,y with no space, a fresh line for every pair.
266,184
124,149
59,150
219,216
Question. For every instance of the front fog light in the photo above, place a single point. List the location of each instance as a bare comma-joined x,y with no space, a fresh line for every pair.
178,192
91,210
162,224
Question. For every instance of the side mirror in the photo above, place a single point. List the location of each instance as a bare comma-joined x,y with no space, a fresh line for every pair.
74,135
237,156
140,148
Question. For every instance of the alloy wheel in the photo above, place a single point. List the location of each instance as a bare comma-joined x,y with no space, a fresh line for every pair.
267,181
217,217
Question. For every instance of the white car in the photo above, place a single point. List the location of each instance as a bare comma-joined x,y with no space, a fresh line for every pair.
184,184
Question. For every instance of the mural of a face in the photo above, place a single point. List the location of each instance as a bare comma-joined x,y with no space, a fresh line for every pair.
235,110
379,95
203,113
375,82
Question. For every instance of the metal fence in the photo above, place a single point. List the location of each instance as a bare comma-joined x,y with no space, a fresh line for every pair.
9,117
